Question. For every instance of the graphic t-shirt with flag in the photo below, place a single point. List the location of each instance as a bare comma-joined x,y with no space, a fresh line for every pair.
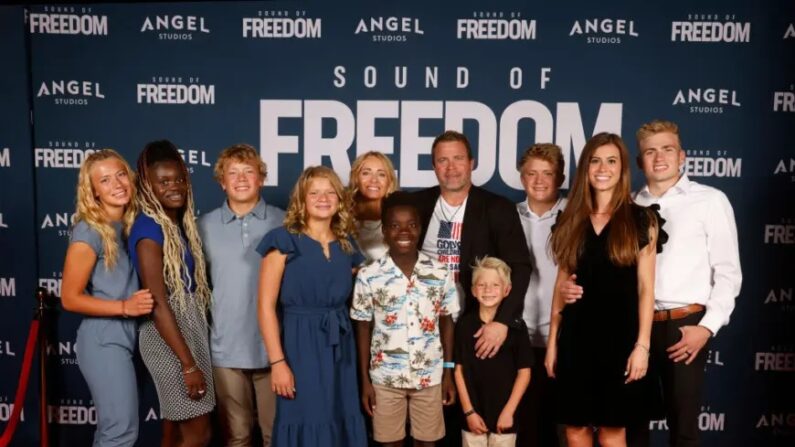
443,239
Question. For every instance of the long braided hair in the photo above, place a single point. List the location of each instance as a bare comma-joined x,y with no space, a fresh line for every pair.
89,208
175,270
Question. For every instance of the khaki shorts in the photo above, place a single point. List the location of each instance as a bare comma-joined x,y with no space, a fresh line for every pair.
470,439
424,408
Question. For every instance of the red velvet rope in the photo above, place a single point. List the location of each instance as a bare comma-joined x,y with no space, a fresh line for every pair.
19,400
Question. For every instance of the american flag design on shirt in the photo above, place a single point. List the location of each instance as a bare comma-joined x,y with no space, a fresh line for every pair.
450,230
448,245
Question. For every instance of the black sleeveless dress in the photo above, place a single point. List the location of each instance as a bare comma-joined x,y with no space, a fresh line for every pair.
597,335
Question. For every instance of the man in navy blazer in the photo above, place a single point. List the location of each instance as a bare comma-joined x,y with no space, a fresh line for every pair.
462,222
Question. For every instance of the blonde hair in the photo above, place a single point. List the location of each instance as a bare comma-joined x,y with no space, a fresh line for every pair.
657,126
491,263
174,267
548,152
241,153
89,208
358,165
341,223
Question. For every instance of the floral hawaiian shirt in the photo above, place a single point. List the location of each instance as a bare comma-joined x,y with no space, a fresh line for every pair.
406,348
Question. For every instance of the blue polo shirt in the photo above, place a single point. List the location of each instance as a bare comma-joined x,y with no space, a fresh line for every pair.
233,264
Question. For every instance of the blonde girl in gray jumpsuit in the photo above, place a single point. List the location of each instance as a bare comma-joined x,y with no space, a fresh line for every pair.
100,283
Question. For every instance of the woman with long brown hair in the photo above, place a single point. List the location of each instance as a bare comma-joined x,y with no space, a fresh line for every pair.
306,271
167,253
598,348
100,283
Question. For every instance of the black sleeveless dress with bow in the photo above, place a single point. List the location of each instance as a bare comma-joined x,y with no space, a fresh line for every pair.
597,335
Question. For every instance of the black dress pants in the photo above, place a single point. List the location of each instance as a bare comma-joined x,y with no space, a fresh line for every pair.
682,386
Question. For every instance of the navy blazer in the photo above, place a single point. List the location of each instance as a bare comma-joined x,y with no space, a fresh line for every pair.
491,228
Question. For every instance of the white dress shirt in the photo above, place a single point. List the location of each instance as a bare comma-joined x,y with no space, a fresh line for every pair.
701,261
538,298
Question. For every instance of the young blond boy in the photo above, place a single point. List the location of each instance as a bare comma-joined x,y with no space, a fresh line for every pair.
490,388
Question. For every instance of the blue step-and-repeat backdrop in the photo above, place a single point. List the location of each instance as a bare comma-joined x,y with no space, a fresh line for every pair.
320,82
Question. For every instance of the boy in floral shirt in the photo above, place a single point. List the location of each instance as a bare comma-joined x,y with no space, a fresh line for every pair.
402,305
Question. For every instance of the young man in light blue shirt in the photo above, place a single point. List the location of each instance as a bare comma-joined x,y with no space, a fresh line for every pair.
230,234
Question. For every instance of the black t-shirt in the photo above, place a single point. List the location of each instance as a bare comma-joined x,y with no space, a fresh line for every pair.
490,381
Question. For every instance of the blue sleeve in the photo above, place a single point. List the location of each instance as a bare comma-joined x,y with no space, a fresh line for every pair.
357,258
82,232
144,227
279,239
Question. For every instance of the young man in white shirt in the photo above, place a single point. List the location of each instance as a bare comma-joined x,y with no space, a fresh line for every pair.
541,171
697,278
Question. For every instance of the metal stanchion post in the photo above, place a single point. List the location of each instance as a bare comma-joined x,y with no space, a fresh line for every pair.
41,311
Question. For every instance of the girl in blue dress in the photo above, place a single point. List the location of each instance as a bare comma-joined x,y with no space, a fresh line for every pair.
307,270
100,283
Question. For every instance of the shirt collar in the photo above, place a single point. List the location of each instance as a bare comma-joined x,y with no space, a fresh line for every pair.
386,263
681,186
524,208
227,215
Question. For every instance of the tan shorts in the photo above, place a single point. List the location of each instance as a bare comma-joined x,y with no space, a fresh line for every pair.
470,439
424,408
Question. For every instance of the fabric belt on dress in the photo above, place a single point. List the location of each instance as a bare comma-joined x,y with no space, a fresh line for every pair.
334,322
677,312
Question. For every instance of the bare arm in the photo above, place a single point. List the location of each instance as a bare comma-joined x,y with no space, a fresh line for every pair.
364,333
270,282
638,362
554,322
150,268
80,261
446,329
647,259
505,420
474,422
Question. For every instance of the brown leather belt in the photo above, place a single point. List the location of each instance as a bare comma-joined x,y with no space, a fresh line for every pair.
678,312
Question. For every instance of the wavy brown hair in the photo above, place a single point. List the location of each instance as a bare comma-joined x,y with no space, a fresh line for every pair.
175,270
567,241
341,224
89,208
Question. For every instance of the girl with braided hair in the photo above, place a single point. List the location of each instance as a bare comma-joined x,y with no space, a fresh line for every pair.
100,283
167,253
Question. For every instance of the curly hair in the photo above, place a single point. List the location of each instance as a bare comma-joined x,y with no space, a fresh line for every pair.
241,153
175,270
341,224
89,208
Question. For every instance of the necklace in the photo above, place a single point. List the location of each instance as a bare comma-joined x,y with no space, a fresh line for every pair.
443,205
